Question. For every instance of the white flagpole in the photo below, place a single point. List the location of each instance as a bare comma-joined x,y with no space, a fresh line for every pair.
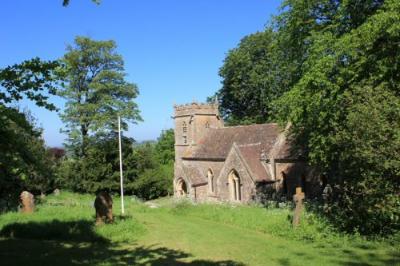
120,166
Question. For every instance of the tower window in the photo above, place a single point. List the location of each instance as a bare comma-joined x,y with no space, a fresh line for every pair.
184,127
184,139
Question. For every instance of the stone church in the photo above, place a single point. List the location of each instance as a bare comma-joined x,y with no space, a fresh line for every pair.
237,164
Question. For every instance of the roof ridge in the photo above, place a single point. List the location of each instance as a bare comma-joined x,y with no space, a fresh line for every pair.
248,144
239,126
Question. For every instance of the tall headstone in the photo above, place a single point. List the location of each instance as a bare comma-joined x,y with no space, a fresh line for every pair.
27,202
103,205
298,199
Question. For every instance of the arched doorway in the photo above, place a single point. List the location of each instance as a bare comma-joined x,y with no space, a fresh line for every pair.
234,186
181,188
210,178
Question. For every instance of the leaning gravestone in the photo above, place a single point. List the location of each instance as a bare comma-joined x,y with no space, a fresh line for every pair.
298,200
103,206
27,202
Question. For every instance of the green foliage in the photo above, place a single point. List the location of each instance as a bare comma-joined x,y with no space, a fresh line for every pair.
331,69
24,161
251,79
147,167
53,222
96,92
165,147
34,79
345,112
63,229
154,183
153,166
99,169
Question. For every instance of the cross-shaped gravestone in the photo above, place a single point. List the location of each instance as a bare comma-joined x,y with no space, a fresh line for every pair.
298,199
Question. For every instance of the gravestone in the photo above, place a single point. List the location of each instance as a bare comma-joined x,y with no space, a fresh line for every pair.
298,199
27,202
56,192
103,205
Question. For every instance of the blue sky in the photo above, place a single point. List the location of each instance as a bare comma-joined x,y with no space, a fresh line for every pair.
172,48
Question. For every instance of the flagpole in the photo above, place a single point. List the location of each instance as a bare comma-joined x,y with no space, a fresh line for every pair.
120,166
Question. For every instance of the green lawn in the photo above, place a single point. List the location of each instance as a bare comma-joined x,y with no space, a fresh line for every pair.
62,232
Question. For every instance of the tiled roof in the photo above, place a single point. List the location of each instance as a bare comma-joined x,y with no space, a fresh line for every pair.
217,143
251,155
195,175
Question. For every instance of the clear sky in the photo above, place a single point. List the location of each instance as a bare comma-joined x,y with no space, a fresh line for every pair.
172,48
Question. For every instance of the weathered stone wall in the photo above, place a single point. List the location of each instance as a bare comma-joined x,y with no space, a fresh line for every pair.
203,167
201,193
197,119
297,174
247,185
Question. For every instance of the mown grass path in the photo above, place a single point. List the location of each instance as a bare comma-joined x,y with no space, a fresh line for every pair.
220,242
61,232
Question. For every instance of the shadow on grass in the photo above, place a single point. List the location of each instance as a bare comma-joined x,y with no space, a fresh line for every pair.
369,258
76,243
76,231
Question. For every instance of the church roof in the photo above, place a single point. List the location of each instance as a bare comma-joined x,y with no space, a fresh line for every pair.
195,175
217,143
251,155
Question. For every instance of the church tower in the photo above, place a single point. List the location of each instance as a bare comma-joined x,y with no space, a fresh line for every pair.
192,122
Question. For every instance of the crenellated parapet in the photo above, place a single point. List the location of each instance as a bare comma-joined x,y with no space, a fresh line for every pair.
196,108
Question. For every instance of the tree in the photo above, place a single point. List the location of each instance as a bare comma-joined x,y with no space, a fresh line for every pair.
24,162
338,63
99,169
148,167
33,78
250,80
345,113
165,147
96,92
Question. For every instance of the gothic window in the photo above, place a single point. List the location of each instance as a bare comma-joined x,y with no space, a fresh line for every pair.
181,188
207,124
234,186
210,177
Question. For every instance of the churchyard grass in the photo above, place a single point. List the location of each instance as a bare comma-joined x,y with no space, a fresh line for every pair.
169,232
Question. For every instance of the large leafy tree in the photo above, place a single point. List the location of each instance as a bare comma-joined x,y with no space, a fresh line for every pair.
266,64
345,113
339,61
34,79
96,91
165,147
99,170
250,80
24,162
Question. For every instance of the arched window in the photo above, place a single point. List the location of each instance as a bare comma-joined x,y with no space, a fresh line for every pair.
234,186
210,178
207,124
181,188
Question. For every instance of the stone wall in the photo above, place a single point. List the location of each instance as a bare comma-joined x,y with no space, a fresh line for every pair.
201,193
247,185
